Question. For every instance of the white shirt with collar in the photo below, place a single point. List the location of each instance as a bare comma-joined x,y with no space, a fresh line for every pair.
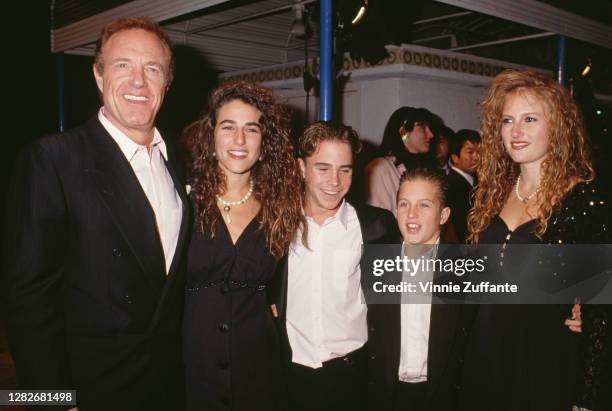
156,182
468,177
414,328
326,315
446,167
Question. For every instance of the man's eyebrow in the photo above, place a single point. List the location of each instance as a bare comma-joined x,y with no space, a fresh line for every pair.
120,59
321,163
155,63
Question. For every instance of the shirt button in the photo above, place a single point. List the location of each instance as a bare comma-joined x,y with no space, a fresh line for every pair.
223,328
127,299
117,252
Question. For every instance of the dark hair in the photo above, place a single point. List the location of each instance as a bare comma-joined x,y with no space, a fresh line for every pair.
433,175
321,131
459,139
444,132
129,23
406,118
276,176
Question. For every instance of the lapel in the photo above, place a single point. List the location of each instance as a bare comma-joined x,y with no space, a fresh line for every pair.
373,228
442,330
126,201
179,185
458,179
442,325
175,272
284,279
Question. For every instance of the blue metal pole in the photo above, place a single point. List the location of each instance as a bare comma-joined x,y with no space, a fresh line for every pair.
59,60
325,67
561,59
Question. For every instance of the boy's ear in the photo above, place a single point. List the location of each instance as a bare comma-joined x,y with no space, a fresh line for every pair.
454,159
444,215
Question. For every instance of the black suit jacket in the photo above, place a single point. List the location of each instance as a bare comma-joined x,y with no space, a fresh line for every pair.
459,190
89,304
449,328
378,226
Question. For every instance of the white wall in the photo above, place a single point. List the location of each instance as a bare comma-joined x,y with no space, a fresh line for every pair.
447,83
368,103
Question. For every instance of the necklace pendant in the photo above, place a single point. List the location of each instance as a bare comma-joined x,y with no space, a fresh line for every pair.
229,219
227,208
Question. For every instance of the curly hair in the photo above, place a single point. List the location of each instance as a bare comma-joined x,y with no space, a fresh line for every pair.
276,177
566,163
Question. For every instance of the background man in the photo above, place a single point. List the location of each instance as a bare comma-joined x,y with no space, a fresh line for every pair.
320,303
464,158
97,222
445,134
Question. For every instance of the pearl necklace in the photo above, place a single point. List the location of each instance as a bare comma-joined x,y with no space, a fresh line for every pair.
227,205
518,195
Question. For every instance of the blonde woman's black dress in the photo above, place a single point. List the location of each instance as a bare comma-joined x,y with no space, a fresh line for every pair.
523,357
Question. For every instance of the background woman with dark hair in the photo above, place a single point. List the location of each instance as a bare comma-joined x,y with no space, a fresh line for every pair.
246,193
406,144
536,185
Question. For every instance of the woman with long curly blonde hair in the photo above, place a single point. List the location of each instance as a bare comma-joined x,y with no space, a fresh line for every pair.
544,167
247,199
535,185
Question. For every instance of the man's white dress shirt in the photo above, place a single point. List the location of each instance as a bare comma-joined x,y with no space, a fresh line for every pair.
156,182
326,315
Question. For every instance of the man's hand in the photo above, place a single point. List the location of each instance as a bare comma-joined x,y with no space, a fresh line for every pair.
575,322
274,311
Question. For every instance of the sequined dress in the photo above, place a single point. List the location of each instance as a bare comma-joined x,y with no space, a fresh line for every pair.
522,357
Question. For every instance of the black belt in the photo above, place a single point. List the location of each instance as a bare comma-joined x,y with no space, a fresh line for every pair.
351,358
231,285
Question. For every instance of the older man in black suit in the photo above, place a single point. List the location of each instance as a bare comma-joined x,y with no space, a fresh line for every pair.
96,228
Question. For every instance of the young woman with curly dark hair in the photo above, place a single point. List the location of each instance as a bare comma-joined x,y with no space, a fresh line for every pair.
536,185
247,200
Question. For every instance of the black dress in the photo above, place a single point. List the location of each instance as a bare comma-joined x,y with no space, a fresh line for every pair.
522,357
231,344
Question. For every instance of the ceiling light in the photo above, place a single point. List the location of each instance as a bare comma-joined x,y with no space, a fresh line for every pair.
300,26
360,13
587,69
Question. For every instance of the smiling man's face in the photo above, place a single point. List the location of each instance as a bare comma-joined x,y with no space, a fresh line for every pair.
328,174
133,82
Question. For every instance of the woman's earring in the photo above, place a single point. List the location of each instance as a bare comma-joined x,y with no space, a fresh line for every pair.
405,137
